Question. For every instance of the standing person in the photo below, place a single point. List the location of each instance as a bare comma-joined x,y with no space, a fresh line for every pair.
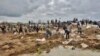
82,22
20,29
98,23
37,29
3,28
66,32
48,33
14,29
34,27
79,30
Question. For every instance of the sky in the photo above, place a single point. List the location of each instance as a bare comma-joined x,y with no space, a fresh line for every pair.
35,10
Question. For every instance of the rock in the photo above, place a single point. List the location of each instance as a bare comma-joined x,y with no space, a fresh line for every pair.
41,40
78,36
91,26
84,45
53,32
22,37
74,30
70,47
95,26
6,47
67,42
98,37
88,26
61,31
64,35
73,35
97,46
15,33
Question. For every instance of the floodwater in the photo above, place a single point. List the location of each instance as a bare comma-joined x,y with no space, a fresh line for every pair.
60,51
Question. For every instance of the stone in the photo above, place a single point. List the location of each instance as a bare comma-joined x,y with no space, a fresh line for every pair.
67,42
84,45
98,37
6,47
41,40
70,47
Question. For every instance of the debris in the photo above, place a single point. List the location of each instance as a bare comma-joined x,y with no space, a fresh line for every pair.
53,32
15,33
70,47
88,26
41,40
95,26
22,37
84,45
64,35
97,46
98,37
61,31
67,42
6,47
73,35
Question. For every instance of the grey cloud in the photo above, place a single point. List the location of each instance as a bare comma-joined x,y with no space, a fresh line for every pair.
50,8
13,7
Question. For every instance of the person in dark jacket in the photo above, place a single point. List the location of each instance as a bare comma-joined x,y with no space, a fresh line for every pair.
3,28
67,32
37,29
20,29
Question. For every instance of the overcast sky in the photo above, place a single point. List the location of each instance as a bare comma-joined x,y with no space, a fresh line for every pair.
24,10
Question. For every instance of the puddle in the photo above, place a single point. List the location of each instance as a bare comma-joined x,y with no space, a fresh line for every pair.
60,51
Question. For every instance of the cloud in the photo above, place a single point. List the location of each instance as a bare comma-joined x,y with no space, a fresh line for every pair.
42,9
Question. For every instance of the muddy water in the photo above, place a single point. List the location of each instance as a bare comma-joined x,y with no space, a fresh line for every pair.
60,51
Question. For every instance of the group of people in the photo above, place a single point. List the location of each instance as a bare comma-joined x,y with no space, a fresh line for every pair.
17,28
66,26
30,27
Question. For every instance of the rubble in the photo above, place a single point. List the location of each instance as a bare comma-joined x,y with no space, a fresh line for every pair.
67,42
30,43
70,47
36,42
98,37
5,47
73,35
88,26
84,45
41,40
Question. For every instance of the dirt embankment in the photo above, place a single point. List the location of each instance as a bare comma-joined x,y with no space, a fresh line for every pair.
11,45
